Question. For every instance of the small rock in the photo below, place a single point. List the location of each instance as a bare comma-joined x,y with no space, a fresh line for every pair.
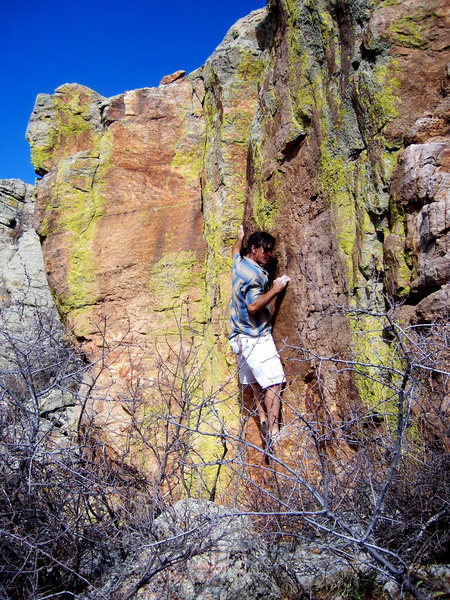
173,77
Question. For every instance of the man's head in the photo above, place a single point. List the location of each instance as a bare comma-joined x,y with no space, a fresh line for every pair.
260,247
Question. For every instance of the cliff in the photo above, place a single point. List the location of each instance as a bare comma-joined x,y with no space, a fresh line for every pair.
326,123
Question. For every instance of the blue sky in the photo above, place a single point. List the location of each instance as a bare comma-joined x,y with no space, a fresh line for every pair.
108,45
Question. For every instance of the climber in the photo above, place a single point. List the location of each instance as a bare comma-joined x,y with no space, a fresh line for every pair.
251,328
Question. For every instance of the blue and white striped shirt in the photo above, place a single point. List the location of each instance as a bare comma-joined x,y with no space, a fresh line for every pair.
249,281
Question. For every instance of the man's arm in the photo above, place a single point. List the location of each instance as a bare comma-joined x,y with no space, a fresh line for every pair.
262,301
277,305
238,243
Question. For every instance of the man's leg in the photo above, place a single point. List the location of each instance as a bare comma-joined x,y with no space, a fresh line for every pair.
258,395
272,400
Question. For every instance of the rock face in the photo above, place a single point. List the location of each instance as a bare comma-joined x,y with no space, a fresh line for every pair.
29,323
326,124
23,282
355,211
135,220
172,77
23,278
119,210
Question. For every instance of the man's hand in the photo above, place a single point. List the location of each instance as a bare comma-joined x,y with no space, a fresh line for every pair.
238,243
281,282
278,286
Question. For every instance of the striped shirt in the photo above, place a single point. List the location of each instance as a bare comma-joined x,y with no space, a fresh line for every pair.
249,281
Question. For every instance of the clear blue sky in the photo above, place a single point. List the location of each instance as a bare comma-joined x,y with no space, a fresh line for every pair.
108,45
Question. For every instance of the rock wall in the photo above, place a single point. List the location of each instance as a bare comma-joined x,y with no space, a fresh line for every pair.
326,123
22,276
24,290
348,168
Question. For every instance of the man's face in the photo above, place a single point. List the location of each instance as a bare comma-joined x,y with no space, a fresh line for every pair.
262,256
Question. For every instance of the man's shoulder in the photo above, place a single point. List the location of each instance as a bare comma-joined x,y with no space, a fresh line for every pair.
246,268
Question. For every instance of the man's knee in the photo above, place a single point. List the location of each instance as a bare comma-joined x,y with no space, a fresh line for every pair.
273,390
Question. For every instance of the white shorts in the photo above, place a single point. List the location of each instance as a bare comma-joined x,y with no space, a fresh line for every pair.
258,360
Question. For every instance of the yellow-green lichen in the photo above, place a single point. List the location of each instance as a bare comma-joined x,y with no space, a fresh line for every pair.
379,372
78,214
398,261
375,357
70,117
334,179
236,125
385,3
382,103
327,26
388,162
249,70
171,277
387,95
188,162
44,227
265,209
377,93
410,31
219,255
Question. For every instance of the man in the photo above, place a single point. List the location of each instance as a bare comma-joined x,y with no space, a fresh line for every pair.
251,327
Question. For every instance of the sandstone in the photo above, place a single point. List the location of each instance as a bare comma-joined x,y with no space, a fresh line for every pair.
63,124
422,183
434,127
434,308
325,125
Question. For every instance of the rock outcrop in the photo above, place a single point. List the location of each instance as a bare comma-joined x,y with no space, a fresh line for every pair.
138,204
227,559
325,123
330,174
22,278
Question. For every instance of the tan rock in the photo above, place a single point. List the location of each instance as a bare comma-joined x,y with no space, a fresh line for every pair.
123,244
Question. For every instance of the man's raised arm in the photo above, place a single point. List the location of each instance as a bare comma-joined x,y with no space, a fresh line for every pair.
238,243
